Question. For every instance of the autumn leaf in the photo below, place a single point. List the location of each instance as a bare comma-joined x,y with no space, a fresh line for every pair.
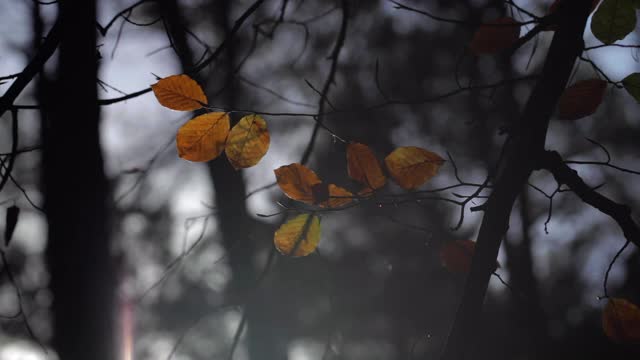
621,321
412,166
298,236
581,99
297,181
456,256
179,92
203,137
495,36
614,20
248,142
338,197
632,84
364,167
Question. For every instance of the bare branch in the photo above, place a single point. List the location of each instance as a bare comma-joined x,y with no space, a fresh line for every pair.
342,34
552,161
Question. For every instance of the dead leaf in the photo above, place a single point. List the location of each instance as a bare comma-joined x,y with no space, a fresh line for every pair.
412,166
203,137
364,167
456,255
621,321
297,181
179,92
299,236
338,197
581,99
494,36
248,142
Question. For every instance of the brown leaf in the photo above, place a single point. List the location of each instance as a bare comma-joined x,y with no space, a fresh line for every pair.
621,321
581,99
364,167
248,142
297,181
494,36
179,92
338,197
412,166
203,137
456,256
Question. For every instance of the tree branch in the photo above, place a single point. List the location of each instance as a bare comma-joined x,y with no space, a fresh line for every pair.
35,65
213,57
342,34
621,213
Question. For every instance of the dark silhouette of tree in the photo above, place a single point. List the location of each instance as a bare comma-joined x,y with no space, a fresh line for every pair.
77,197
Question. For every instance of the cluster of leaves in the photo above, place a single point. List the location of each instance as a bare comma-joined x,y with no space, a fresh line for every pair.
206,136
410,167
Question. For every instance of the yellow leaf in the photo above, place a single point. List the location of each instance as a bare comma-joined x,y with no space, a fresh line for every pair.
179,92
581,99
298,236
203,137
297,181
248,142
363,166
621,321
412,166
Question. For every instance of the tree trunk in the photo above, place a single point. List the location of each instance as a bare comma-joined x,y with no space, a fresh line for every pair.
523,147
235,224
76,195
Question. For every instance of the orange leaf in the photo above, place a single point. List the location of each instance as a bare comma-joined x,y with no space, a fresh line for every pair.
179,92
297,181
412,166
338,197
581,99
363,166
248,142
495,36
456,255
299,236
621,321
203,137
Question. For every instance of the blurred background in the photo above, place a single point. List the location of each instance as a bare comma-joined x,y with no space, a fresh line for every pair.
191,247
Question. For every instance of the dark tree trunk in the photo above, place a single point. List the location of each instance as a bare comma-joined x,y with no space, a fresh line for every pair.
77,195
531,322
236,226
522,150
